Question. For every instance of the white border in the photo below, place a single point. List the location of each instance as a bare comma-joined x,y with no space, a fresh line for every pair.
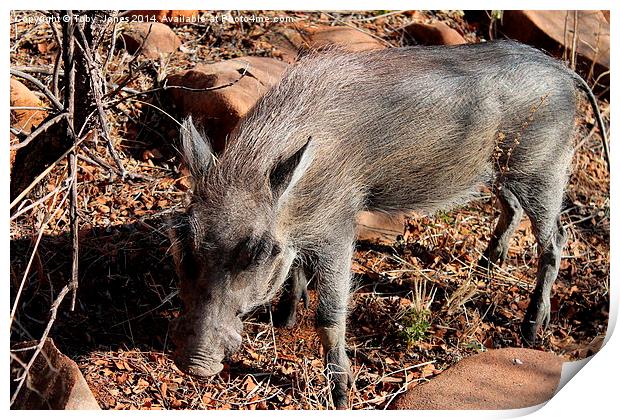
592,394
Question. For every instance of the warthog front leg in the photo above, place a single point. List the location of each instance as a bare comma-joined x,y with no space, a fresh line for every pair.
337,365
334,288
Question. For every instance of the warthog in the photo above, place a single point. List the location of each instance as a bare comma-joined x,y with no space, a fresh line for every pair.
401,129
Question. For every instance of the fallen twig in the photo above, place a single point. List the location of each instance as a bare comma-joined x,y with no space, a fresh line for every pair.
53,314
383,41
370,19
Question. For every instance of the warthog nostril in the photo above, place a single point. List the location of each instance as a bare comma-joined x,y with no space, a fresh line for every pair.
197,364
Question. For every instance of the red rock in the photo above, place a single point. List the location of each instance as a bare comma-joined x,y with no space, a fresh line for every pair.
605,15
220,110
291,40
23,120
436,33
22,96
160,40
552,30
55,381
494,380
169,17
379,227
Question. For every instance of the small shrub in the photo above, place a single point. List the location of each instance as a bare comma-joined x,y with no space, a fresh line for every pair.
415,321
415,325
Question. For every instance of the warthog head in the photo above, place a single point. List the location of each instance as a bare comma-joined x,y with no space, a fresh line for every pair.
230,247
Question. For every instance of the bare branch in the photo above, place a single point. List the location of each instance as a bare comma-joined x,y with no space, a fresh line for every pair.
41,176
141,47
30,108
41,200
40,86
53,314
40,129
95,84
573,53
68,46
18,132
100,162
57,60
34,69
168,87
111,50
74,228
34,251
383,41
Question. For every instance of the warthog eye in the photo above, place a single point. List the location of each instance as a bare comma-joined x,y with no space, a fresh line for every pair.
275,250
253,251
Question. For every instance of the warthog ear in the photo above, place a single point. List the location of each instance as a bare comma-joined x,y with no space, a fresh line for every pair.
287,172
195,149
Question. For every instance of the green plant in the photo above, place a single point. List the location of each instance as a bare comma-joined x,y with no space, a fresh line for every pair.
445,217
415,325
415,322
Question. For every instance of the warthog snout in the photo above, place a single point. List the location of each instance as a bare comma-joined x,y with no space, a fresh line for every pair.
202,345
